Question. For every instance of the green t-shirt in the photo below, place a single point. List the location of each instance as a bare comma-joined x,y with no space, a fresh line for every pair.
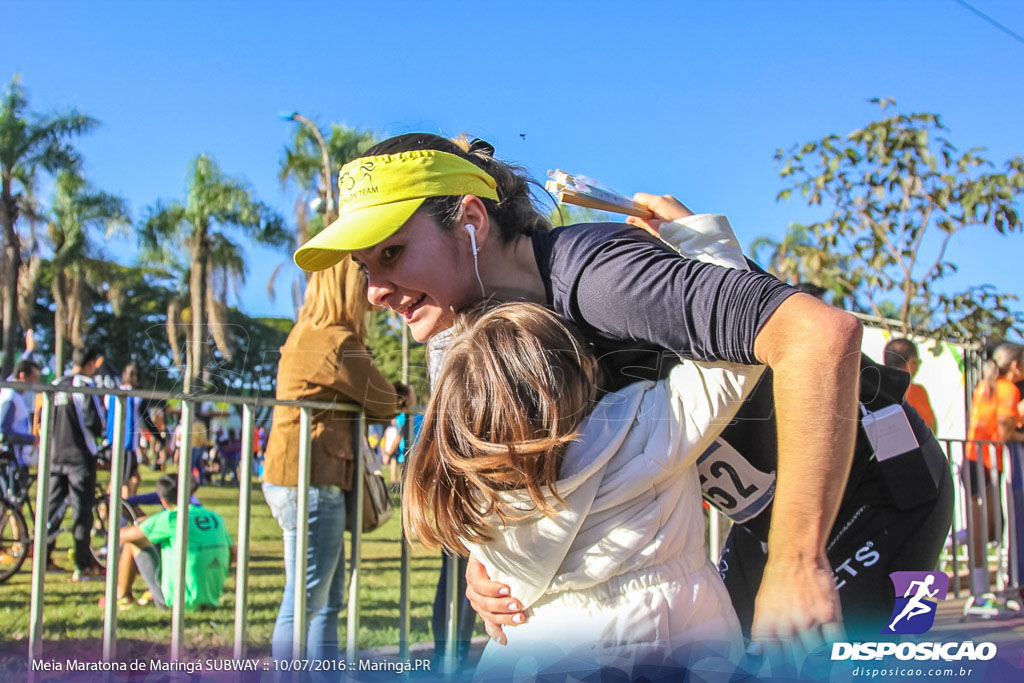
207,558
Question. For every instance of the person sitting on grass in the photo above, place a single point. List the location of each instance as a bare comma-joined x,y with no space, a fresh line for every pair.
150,550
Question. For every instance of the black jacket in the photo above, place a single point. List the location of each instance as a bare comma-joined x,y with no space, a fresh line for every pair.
79,422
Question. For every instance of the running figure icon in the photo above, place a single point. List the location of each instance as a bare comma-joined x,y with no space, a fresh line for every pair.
916,605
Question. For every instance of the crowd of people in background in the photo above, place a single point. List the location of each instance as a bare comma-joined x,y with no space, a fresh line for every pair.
82,434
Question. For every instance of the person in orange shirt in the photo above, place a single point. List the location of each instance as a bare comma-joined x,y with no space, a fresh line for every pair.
902,355
995,413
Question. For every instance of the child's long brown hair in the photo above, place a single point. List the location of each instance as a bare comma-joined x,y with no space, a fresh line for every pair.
516,383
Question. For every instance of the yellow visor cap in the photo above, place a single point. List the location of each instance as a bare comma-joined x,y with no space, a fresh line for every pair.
377,195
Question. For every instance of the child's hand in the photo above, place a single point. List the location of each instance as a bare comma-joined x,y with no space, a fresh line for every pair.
666,208
491,600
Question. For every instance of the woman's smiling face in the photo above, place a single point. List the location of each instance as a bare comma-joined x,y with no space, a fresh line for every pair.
423,273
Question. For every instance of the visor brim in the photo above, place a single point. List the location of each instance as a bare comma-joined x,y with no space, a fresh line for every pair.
359,229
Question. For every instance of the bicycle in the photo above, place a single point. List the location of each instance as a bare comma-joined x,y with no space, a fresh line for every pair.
15,484
100,524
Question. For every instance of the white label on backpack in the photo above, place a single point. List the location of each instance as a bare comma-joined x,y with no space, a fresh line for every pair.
734,486
889,432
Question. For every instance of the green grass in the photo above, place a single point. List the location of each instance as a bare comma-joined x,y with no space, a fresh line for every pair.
71,612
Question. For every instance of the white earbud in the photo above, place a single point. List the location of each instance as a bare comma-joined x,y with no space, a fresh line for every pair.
476,250
471,229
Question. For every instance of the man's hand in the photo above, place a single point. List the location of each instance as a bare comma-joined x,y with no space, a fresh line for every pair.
491,601
797,611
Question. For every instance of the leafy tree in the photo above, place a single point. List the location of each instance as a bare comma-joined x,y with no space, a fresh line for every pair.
195,238
797,259
77,263
131,326
29,143
127,323
253,369
899,192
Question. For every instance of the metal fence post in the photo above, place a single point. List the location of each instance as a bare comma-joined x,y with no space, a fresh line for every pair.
981,471
301,622
1000,464
714,535
181,531
955,545
352,627
35,637
452,628
406,561
117,463
1016,452
242,543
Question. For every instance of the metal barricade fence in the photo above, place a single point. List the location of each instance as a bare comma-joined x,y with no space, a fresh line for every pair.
248,404
972,532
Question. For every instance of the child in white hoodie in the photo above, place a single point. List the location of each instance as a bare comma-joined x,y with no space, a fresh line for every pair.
588,509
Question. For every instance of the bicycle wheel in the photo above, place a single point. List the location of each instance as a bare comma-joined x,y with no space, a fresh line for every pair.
14,540
101,527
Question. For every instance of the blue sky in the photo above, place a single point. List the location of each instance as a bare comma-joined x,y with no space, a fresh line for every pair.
689,98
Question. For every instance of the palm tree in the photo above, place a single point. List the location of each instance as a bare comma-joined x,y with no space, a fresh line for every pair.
31,211
302,164
28,143
193,238
76,210
227,272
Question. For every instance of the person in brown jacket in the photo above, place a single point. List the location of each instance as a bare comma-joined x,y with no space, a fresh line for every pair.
324,359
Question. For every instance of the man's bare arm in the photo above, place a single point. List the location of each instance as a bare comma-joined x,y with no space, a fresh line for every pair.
814,352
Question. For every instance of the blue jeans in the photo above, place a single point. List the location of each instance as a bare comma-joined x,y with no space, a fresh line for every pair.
325,568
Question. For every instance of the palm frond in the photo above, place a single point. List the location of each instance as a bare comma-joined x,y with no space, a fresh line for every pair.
345,144
162,228
272,281
227,255
271,230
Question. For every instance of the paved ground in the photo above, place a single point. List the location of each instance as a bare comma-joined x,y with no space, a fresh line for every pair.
1006,630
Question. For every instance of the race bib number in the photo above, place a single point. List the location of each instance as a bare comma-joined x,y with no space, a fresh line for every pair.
734,486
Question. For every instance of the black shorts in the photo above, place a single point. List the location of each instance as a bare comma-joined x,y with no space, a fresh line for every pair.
131,464
868,542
